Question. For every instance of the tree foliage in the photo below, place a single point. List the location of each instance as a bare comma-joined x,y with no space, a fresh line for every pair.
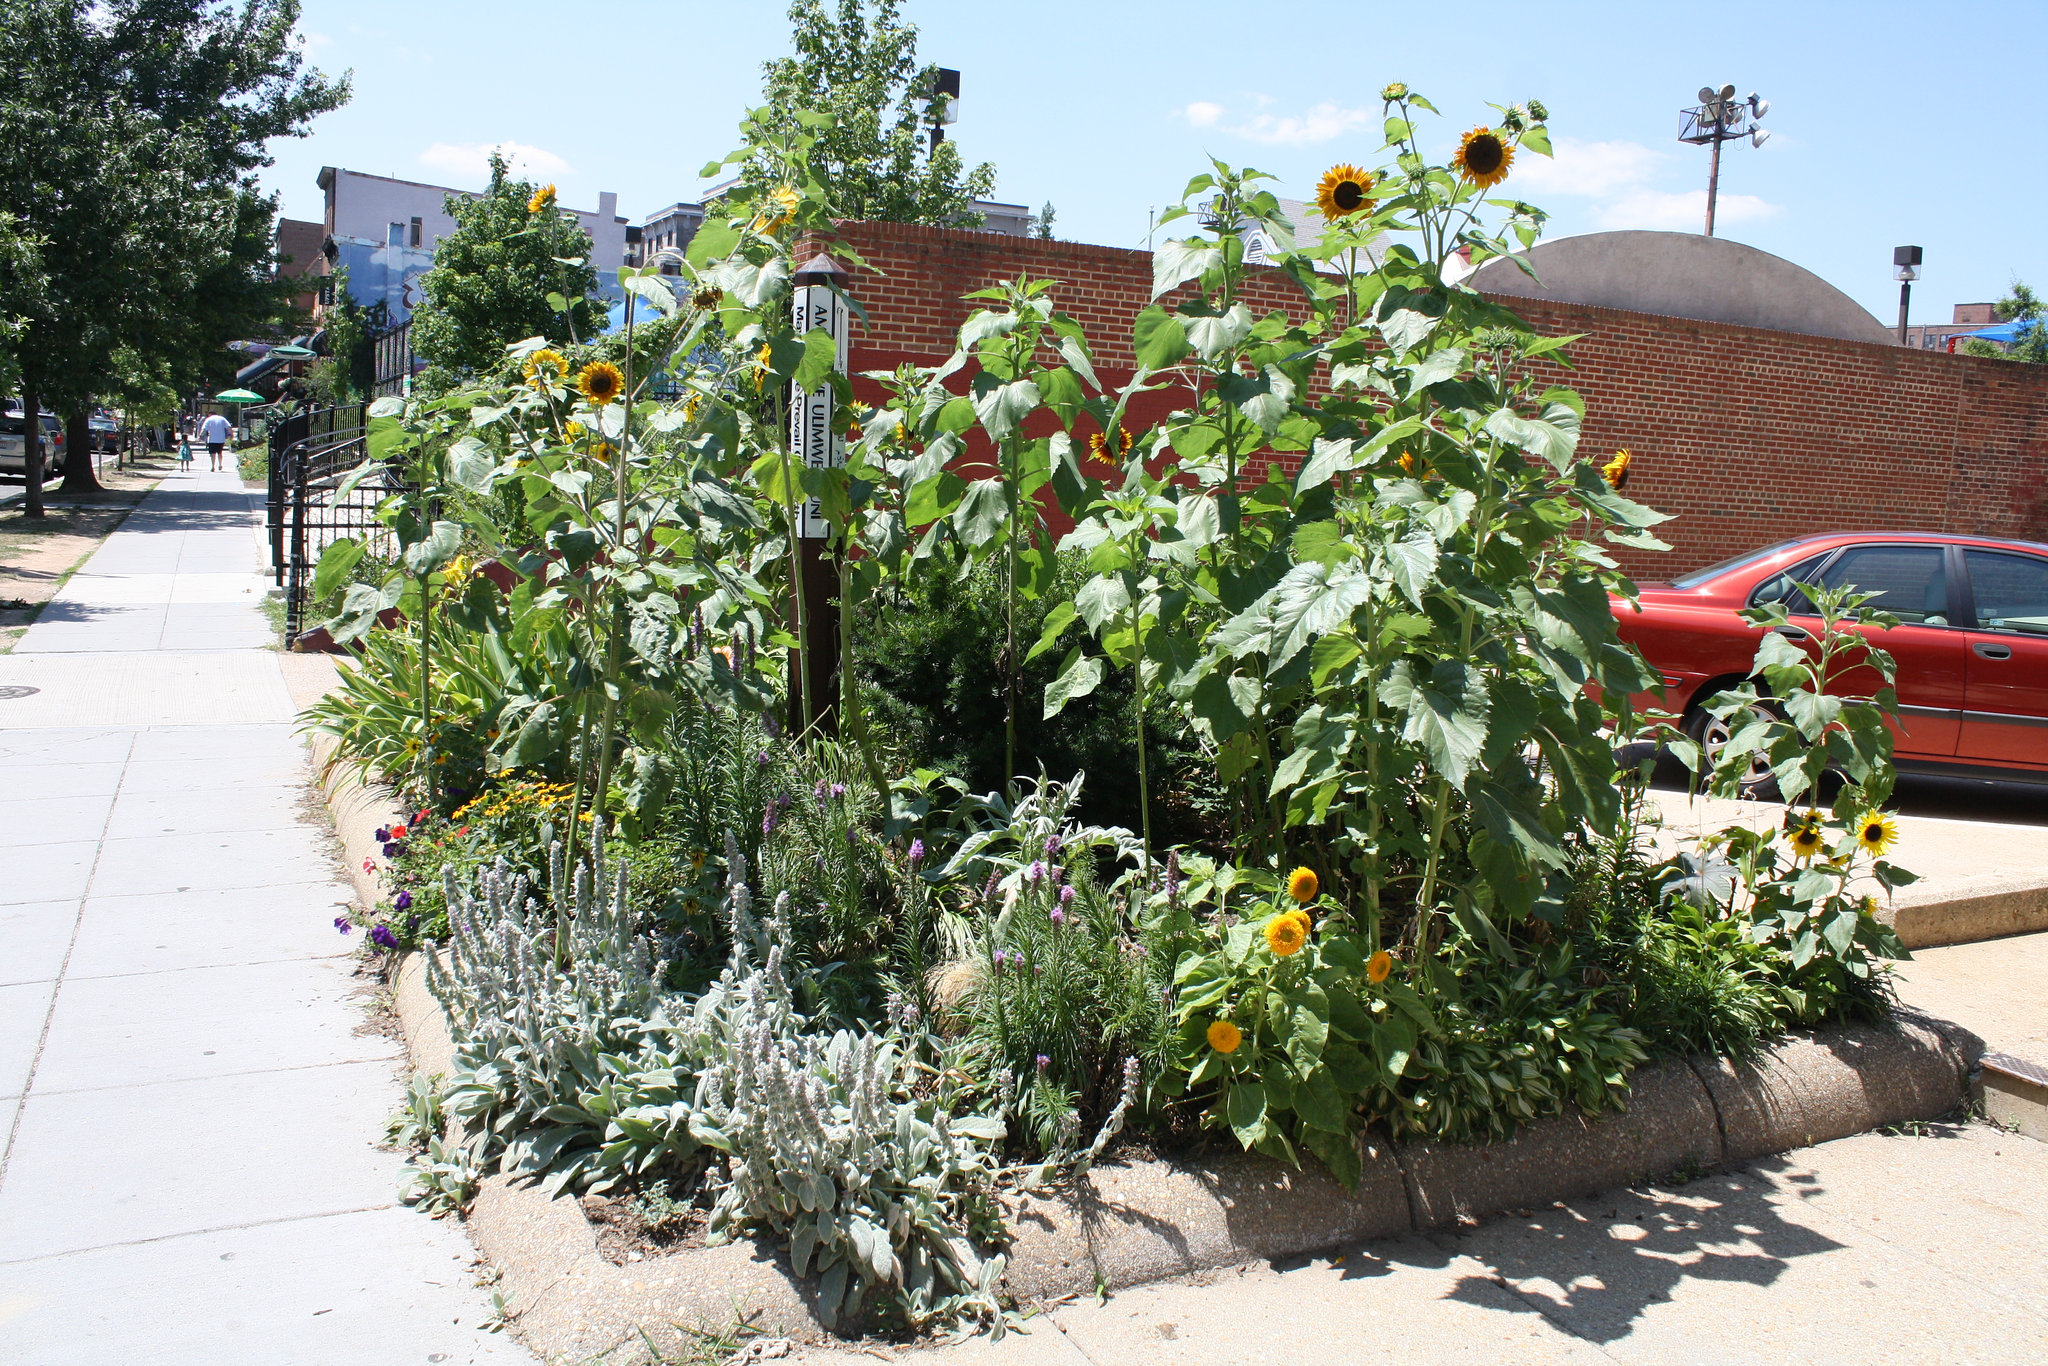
516,266
861,68
2025,307
133,129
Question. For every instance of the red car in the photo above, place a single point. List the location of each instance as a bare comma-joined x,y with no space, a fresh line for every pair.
1971,644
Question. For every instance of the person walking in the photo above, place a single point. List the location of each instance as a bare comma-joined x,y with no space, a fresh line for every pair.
215,432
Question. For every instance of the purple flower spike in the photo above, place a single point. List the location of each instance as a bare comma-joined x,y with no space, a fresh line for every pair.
1059,917
916,852
762,758
403,901
1044,1062
838,790
768,820
1057,874
1036,873
1052,845
383,938
341,923
1066,896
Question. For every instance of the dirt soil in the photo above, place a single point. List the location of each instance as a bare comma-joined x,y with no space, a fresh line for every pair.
622,1236
36,557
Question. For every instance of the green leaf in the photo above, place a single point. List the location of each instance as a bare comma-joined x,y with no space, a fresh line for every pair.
335,563
1244,1107
982,514
1411,561
1001,407
471,465
1446,713
1180,259
425,556
821,354
1078,677
1056,623
1158,339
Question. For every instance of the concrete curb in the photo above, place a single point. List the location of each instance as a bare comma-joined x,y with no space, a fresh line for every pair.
1989,910
1127,1224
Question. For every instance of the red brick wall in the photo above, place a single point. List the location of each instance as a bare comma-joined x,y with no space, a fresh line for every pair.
1746,436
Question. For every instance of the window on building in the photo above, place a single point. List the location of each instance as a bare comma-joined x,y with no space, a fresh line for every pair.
397,235
416,228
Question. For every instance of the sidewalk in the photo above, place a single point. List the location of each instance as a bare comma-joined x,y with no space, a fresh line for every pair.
190,1091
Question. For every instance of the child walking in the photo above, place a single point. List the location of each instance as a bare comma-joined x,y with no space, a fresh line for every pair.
184,454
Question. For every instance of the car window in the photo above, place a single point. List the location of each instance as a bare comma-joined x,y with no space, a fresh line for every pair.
1713,571
2011,591
1781,586
1910,581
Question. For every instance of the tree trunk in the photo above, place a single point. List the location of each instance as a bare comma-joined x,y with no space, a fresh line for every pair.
32,448
78,471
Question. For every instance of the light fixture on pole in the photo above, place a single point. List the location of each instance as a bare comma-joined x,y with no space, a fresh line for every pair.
1905,269
945,103
1720,117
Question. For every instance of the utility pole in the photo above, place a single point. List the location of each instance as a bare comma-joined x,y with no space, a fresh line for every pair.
1720,117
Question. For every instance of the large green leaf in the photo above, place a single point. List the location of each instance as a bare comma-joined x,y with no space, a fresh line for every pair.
982,513
471,465
1180,259
1078,676
1002,407
437,549
1312,599
335,563
1446,712
1159,339
1244,1107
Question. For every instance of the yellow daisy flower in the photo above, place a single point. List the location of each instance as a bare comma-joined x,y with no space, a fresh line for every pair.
601,382
1378,966
1224,1036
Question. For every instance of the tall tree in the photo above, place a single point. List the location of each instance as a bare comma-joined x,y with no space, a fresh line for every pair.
130,131
861,67
492,277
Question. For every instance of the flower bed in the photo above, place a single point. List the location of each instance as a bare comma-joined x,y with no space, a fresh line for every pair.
762,965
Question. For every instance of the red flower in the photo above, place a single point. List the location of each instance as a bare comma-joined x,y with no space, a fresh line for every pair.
398,832
463,831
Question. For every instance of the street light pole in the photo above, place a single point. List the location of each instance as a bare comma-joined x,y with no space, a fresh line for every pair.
1905,269
1713,182
1717,118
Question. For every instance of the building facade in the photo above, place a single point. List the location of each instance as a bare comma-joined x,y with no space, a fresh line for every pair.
383,232
1968,318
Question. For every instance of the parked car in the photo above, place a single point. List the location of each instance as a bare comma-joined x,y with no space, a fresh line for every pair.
1971,645
106,434
14,449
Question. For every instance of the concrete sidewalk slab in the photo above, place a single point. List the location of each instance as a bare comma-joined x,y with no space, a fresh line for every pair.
190,1090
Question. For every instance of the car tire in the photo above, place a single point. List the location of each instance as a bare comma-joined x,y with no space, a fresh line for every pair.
1711,733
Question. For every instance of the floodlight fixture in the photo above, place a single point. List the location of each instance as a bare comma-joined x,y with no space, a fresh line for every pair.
1905,269
1720,117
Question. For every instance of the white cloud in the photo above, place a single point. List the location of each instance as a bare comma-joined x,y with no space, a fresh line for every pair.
473,159
1684,211
1326,121
1617,177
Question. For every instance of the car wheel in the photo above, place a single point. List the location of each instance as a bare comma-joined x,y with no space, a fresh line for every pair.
1712,734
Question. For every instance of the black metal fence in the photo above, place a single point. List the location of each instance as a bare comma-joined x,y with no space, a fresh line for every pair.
311,455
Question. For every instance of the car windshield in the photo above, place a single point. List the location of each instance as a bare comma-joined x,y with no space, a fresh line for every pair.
1714,571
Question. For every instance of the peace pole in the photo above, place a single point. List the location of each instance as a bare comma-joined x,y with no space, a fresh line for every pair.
816,443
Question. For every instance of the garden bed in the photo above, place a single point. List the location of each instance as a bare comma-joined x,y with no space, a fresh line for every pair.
574,1292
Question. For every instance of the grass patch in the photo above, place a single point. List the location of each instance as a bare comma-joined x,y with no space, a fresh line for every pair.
254,463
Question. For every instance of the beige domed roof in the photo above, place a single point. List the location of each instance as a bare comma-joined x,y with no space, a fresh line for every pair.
1685,275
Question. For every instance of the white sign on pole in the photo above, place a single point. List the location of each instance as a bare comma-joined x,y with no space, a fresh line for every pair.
814,437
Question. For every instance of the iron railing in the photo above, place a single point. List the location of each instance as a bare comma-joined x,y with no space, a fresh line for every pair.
312,455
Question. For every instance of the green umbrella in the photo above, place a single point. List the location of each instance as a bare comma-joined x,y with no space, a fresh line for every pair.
238,396
294,352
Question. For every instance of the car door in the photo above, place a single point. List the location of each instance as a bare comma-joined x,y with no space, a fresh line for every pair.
2005,715
1912,583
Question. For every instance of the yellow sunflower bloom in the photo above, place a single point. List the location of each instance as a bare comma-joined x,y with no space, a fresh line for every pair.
544,365
542,198
1378,966
1285,934
1302,885
1877,832
1343,191
764,364
780,209
1806,838
601,382
1224,1036
1412,467
1397,90
1111,445
572,430
1483,157
1615,471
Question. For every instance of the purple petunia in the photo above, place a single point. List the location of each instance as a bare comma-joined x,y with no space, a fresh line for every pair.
383,938
403,901
341,923
393,849
383,834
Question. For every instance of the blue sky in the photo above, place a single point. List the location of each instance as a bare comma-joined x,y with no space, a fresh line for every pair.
1890,123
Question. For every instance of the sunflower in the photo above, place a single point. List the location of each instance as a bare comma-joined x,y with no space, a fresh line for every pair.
601,382
691,406
1285,934
1806,838
1111,445
1876,832
573,430
1483,158
1413,468
1398,90
1378,966
544,364
1615,471
1344,190
707,298
542,198
1302,885
764,363
781,208
1224,1036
